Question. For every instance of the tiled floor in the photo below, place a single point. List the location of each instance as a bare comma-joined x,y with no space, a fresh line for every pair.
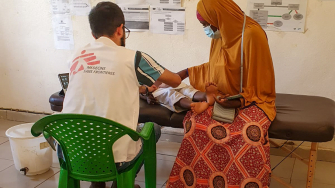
291,170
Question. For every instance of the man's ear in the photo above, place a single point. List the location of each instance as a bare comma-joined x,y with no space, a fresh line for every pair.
119,31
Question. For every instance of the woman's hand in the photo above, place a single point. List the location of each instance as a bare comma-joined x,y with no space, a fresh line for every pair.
222,100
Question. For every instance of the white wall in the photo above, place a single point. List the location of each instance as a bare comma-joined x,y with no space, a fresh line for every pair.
29,65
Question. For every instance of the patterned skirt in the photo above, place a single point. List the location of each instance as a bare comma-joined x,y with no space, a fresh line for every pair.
221,155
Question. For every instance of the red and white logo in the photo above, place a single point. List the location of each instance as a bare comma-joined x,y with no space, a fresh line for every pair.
83,60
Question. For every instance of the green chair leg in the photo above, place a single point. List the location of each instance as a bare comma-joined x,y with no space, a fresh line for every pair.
74,183
149,173
65,181
150,163
126,180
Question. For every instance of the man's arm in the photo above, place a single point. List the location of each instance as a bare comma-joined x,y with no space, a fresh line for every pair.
149,72
170,78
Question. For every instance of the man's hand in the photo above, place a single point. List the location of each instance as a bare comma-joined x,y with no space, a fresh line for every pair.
148,94
222,100
152,88
143,89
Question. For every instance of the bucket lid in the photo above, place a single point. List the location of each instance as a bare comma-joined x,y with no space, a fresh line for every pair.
20,131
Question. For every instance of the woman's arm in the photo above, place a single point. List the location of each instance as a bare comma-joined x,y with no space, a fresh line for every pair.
183,74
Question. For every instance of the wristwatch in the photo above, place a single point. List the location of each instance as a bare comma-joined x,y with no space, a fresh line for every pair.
146,91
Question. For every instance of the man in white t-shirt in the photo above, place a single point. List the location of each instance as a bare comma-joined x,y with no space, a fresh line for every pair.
105,76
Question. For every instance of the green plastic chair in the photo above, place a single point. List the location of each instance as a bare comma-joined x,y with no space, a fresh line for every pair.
87,143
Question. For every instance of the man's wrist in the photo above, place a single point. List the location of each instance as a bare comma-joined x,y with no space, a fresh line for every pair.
143,90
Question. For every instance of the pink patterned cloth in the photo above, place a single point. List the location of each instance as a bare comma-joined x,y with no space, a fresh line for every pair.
199,17
221,155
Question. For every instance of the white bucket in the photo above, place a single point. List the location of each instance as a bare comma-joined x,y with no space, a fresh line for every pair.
31,154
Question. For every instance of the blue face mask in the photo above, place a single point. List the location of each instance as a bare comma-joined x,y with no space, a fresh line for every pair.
211,34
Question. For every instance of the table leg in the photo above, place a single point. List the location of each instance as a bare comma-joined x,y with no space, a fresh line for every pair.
311,165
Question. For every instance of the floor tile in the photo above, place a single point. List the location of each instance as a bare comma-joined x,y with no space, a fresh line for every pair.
11,178
52,182
142,184
299,171
163,172
280,152
324,172
85,184
5,151
302,184
284,170
167,148
166,157
5,124
171,138
5,164
3,139
276,184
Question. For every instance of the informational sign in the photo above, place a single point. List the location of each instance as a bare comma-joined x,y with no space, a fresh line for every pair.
150,2
136,16
279,15
167,20
131,2
164,2
63,32
60,6
80,7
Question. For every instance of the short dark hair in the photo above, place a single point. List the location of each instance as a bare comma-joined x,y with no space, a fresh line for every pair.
105,18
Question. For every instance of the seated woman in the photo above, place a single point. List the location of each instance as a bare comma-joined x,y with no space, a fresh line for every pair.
216,154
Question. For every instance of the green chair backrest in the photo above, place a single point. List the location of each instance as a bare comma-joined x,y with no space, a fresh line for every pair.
86,142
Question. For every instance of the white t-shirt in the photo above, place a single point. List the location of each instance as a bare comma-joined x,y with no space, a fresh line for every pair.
104,81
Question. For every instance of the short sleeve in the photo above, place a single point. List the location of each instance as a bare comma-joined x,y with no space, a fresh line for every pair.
147,69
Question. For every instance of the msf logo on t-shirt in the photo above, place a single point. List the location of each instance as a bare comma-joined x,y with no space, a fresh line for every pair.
81,61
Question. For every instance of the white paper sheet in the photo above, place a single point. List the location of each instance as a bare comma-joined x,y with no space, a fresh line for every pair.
60,6
80,7
131,2
167,20
63,32
279,15
164,2
151,2
136,16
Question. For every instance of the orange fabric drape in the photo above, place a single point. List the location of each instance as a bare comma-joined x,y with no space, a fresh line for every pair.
223,67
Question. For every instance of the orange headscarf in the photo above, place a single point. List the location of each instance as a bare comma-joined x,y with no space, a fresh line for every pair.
223,67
